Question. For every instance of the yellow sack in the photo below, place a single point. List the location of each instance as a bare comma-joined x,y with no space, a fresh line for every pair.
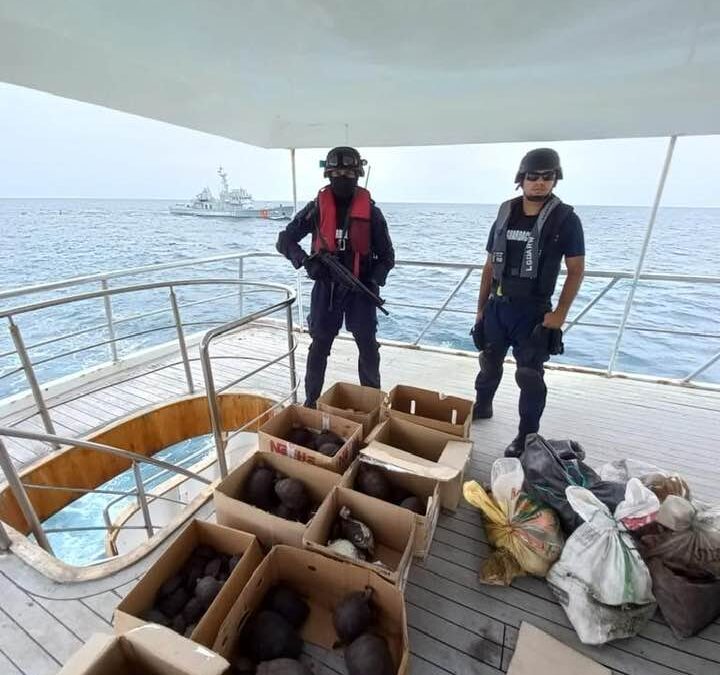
528,531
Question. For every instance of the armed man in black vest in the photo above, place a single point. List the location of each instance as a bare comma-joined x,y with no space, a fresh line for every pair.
527,243
345,224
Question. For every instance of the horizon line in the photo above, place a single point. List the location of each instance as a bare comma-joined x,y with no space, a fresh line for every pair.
289,201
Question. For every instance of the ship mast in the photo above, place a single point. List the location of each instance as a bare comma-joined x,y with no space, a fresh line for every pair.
224,189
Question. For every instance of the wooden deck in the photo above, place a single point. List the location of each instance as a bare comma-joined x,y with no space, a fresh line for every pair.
456,625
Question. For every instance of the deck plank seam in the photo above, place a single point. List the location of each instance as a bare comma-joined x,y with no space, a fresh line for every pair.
100,616
678,648
30,637
15,665
42,607
430,663
502,648
619,645
532,613
454,623
491,669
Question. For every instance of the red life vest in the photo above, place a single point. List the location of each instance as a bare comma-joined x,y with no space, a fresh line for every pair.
358,228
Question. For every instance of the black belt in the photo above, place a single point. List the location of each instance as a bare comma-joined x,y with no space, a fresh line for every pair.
521,300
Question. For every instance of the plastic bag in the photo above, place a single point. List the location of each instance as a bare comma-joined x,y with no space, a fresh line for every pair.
506,479
640,506
600,579
528,531
552,466
594,622
692,537
688,598
660,482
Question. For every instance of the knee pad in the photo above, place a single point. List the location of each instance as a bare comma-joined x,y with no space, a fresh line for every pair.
530,380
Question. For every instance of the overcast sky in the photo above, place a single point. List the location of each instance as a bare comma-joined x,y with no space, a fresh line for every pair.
55,147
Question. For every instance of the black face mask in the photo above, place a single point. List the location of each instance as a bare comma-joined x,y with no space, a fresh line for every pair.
343,187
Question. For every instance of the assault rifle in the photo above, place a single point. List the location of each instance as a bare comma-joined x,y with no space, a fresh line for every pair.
343,275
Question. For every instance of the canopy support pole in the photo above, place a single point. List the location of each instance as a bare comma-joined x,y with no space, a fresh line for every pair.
643,252
294,179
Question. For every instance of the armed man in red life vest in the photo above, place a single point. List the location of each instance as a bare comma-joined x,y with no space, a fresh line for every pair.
345,222
531,237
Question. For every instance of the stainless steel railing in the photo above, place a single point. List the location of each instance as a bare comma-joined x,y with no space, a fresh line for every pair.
140,493
28,366
212,390
465,270
19,488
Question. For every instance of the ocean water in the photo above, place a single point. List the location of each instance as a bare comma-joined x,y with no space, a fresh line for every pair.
49,239
83,547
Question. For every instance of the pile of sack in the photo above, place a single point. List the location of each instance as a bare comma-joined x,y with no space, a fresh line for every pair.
613,544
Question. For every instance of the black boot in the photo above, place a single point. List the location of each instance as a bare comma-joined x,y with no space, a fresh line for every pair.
517,447
482,411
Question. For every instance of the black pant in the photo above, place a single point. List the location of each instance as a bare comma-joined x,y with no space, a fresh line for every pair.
510,324
331,303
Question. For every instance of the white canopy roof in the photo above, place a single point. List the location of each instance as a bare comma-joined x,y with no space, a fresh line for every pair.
316,73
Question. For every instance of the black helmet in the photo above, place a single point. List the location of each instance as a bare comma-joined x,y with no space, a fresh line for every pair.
540,159
344,157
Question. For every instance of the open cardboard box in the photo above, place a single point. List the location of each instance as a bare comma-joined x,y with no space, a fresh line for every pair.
420,486
272,436
354,402
393,529
150,650
269,529
422,451
223,539
432,409
323,582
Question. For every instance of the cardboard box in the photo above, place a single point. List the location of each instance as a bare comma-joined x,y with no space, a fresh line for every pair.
272,436
223,539
269,529
538,653
323,582
432,409
423,451
150,650
393,529
354,402
421,486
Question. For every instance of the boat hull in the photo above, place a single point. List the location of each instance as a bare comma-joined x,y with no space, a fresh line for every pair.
277,213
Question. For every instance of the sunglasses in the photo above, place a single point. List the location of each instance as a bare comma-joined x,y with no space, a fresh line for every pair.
533,176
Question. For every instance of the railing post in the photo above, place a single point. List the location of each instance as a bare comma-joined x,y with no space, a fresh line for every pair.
142,499
702,368
294,179
443,307
643,252
181,341
241,291
213,408
568,325
32,380
5,542
291,353
110,324
21,496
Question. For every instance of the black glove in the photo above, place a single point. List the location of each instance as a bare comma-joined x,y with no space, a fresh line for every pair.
478,335
315,268
548,339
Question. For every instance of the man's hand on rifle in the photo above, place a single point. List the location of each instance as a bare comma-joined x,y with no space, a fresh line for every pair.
315,268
